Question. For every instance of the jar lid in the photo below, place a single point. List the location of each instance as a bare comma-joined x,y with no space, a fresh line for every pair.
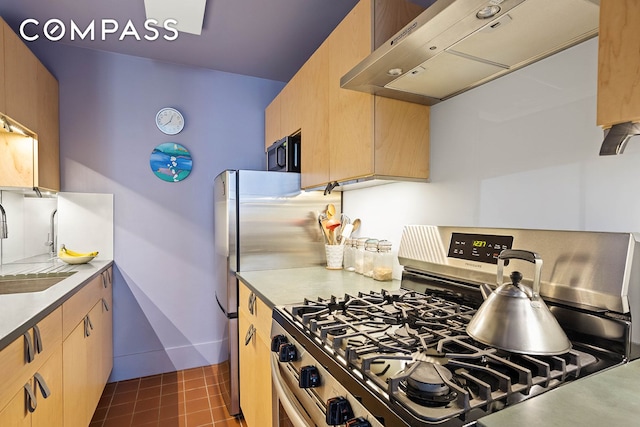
371,244
361,240
384,245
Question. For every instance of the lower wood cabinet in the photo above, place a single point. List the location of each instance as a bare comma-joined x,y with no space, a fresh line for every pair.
254,326
54,374
42,394
87,350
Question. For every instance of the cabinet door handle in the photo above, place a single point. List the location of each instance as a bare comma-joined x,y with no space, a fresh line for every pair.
88,326
252,302
104,280
250,332
42,384
29,353
37,339
30,398
104,304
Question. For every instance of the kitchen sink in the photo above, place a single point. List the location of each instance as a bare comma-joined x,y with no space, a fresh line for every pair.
25,283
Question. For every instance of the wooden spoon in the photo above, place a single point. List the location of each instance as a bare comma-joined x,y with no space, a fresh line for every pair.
331,210
356,224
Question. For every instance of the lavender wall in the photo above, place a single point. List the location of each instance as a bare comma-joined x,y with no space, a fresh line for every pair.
165,314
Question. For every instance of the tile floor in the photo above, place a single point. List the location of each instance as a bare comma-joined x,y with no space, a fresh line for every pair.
189,398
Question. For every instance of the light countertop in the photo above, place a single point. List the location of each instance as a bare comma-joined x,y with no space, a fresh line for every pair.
607,398
20,311
290,286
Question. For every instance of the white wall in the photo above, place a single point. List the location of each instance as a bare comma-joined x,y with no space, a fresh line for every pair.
27,225
520,152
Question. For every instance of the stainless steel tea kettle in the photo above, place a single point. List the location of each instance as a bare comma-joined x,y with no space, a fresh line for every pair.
514,317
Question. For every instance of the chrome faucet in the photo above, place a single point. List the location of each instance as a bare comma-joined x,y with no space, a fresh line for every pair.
3,223
51,241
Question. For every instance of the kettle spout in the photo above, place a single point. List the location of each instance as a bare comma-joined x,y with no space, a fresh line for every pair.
485,290
616,138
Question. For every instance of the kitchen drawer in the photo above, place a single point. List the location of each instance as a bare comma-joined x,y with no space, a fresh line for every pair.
77,307
14,368
259,313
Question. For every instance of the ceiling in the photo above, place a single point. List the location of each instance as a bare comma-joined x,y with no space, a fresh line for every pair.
269,39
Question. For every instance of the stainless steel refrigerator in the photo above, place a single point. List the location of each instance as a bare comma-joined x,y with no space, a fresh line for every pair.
263,221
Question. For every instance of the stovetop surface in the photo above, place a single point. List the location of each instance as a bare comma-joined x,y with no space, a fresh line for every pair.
411,350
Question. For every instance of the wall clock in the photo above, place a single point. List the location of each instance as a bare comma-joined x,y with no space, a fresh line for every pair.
170,121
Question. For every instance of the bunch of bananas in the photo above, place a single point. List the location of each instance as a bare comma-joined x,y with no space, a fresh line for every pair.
73,257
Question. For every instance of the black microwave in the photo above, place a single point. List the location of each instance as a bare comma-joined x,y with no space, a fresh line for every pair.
284,155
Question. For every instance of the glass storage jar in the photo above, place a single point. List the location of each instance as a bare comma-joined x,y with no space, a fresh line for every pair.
370,251
349,255
383,262
359,254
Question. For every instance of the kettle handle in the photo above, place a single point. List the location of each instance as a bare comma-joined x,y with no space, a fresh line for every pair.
529,256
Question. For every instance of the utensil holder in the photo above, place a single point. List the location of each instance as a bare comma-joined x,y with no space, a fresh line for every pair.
335,254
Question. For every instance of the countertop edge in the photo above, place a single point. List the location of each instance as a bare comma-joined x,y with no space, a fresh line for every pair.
50,306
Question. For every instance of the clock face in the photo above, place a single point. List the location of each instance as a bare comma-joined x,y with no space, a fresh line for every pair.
170,121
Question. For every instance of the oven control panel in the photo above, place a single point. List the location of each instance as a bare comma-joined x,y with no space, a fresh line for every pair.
478,247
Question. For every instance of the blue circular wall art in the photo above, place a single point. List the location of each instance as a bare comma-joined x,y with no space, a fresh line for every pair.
171,162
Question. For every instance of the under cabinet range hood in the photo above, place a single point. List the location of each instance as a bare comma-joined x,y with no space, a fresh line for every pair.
455,45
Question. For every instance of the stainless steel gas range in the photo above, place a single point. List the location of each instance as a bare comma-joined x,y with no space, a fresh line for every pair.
404,358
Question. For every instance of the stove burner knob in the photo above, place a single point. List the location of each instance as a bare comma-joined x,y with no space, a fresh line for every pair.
277,341
338,411
309,377
358,422
287,353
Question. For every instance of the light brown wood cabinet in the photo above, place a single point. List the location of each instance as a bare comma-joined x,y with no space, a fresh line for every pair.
20,69
36,369
272,123
3,93
348,135
28,96
254,326
314,118
73,362
48,149
87,349
618,63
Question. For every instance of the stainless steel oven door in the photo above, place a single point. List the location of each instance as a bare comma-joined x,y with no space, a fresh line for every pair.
306,407
287,410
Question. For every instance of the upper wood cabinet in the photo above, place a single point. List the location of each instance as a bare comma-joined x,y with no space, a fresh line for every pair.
3,94
272,123
618,63
21,90
349,135
314,118
28,96
48,147
371,135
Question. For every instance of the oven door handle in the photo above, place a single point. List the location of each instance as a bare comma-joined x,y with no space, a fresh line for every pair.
286,398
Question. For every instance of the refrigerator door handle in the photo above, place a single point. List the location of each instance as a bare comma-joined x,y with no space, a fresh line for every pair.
228,315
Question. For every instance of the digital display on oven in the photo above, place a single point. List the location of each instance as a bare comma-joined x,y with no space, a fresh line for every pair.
478,247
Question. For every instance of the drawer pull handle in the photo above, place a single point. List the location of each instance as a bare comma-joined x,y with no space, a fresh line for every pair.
252,302
29,353
38,339
30,398
104,280
42,384
88,326
250,332
105,305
